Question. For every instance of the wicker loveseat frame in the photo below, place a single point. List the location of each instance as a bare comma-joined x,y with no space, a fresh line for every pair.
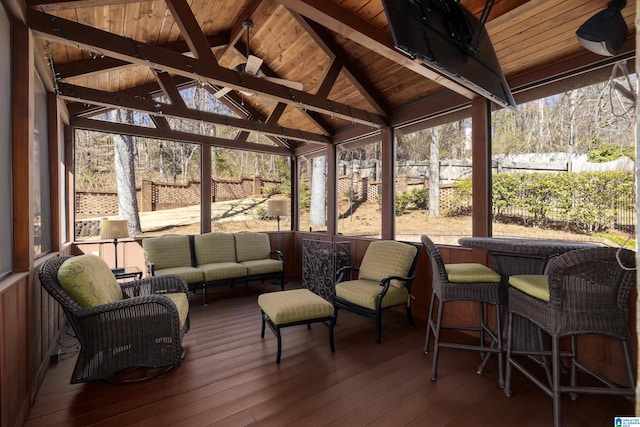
140,331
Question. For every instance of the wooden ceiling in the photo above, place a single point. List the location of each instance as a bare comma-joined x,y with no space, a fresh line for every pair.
112,53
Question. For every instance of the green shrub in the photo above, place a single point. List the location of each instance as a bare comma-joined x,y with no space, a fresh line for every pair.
420,198
260,212
305,196
402,201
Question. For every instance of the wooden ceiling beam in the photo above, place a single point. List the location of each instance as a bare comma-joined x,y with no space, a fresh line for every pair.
53,5
87,67
237,28
173,135
191,31
355,75
169,88
330,15
71,33
149,106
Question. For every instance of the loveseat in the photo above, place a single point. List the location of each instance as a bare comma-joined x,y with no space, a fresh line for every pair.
209,259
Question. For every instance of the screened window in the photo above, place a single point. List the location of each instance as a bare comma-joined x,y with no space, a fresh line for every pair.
42,206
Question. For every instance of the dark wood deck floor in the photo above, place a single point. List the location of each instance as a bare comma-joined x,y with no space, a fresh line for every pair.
229,377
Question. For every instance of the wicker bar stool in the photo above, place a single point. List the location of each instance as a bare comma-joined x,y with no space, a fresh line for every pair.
585,292
464,282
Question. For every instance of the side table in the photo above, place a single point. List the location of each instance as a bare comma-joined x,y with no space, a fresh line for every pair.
127,273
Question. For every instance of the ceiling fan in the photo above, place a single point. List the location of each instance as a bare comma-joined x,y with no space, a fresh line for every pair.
252,68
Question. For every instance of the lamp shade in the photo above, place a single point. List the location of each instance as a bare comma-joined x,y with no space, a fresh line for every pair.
605,32
114,228
278,207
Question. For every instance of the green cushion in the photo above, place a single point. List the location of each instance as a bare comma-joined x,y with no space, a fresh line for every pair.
214,247
251,246
222,270
536,285
471,273
89,281
294,306
167,251
365,292
189,274
387,258
182,304
263,266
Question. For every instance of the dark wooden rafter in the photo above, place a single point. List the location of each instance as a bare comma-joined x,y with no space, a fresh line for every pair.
100,64
191,31
71,33
332,16
173,135
50,5
357,78
169,88
111,100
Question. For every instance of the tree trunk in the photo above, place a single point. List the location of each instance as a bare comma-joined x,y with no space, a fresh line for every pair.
434,173
125,175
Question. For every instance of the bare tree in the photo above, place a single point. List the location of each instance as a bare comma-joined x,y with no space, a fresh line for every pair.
124,159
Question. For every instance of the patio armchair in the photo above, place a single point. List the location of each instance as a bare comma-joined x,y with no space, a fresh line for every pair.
138,324
384,281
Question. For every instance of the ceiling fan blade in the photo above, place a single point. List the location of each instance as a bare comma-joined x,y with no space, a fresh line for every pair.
222,92
287,83
253,65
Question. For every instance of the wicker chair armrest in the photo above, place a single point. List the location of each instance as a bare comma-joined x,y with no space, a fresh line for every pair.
342,271
129,308
277,254
162,284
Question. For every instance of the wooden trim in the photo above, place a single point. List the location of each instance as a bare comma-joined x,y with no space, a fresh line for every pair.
481,166
22,148
69,183
205,189
53,135
295,194
388,184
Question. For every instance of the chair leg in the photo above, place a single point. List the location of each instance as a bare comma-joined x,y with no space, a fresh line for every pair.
501,352
482,324
428,335
263,324
204,293
574,369
628,364
509,368
436,342
555,388
378,325
410,316
277,331
331,342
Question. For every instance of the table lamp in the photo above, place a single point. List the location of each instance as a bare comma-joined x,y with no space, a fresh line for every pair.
114,229
277,208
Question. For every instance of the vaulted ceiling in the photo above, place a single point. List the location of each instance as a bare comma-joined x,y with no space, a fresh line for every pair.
115,53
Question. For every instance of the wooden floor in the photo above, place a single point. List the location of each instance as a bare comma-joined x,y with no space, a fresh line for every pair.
229,378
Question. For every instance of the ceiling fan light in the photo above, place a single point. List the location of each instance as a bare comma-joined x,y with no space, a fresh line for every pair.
605,32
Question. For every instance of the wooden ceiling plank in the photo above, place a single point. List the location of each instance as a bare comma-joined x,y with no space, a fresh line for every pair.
71,33
54,5
355,75
237,28
169,88
173,135
333,17
191,31
78,93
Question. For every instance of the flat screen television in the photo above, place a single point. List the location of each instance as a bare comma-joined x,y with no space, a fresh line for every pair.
448,38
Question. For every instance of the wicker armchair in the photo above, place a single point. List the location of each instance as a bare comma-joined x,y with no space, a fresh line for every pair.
384,281
144,329
464,282
585,292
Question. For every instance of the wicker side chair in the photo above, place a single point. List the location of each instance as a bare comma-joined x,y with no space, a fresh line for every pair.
143,328
586,292
384,281
464,282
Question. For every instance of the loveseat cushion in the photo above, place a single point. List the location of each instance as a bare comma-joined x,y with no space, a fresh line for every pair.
387,258
214,247
182,304
167,251
252,246
365,292
222,270
263,266
189,274
89,280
